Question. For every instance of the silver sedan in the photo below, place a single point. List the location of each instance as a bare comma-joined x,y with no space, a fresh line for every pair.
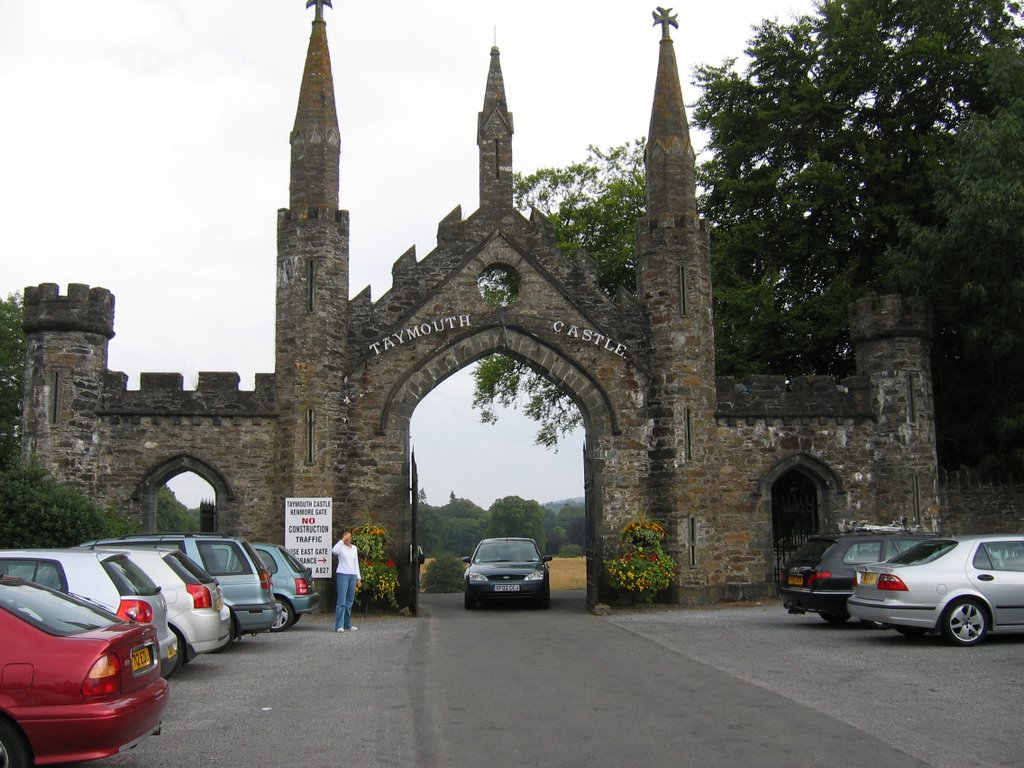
962,587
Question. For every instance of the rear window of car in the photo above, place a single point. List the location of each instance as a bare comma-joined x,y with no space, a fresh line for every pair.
860,552
812,551
924,552
52,612
186,568
128,578
898,545
45,572
1000,556
267,560
292,561
224,558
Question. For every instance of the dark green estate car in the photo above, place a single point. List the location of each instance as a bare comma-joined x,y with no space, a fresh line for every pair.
819,577
508,569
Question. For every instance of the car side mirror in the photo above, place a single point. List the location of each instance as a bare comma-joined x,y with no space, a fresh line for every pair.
465,559
548,558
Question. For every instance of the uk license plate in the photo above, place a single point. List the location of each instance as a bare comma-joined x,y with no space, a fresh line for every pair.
506,587
796,581
869,578
142,658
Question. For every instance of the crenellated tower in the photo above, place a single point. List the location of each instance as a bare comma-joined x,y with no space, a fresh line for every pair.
66,360
312,285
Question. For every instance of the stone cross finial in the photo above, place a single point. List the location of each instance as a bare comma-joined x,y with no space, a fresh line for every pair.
665,17
320,7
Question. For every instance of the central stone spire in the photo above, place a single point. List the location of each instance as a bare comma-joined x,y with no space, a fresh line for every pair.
494,138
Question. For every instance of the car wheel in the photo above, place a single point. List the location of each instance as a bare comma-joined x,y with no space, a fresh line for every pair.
964,622
182,657
470,603
14,752
835,618
912,631
284,619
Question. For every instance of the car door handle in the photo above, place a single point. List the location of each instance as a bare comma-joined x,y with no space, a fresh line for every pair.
986,577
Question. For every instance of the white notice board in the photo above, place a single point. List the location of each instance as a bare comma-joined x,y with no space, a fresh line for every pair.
307,533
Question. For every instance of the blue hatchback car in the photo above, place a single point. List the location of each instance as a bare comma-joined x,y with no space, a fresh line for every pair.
292,583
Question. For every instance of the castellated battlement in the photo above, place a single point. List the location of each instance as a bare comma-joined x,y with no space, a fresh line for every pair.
216,394
887,317
802,397
83,309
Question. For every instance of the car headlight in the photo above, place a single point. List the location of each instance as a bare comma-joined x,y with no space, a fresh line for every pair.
474,576
534,576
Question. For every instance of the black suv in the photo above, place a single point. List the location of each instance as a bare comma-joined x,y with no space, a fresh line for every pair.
819,577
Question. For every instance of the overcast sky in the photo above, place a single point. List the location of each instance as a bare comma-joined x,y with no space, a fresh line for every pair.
145,150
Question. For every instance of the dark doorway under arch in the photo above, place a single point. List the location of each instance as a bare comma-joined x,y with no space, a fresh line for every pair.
795,515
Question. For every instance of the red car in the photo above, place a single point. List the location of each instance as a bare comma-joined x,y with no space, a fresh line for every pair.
76,682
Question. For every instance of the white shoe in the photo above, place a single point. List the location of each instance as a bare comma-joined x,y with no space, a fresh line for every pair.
352,629
339,629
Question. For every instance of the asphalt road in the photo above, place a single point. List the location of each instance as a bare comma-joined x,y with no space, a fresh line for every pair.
509,686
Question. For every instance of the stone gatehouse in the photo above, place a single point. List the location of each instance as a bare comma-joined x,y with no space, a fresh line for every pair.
739,470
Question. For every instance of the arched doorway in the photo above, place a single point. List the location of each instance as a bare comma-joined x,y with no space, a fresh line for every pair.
801,490
584,389
148,490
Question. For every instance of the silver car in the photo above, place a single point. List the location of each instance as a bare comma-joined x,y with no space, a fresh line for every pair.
962,587
196,612
110,579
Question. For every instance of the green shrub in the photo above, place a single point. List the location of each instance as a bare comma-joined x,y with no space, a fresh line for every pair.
38,511
570,550
444,574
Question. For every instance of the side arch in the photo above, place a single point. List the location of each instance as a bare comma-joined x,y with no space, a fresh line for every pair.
801,495
145,493
592,399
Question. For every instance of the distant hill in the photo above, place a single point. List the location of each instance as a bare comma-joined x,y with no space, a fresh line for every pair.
555,506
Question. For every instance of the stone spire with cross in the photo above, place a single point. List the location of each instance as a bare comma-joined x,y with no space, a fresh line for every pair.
315,139
319,7
669,157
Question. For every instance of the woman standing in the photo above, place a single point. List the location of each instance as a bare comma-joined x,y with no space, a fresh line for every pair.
348,579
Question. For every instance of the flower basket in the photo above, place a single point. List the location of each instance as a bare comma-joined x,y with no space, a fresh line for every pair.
645,569
380,576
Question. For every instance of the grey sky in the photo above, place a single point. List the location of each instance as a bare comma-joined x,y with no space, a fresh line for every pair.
146,151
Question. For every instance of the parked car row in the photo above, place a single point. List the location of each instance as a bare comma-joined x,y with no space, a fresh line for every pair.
88,634
961,587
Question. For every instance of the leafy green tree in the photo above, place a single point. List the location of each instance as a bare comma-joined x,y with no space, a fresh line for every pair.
593,206
172,515
12,375
970,267
829,139
514,516
38,511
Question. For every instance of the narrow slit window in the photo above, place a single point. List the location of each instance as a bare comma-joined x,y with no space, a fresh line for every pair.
688,456
692,543
682,291
911,398
917,499
54,397
310,284
310,434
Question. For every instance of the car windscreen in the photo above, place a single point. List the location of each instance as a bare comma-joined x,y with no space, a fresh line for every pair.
128,577
52,612
506,552
925,552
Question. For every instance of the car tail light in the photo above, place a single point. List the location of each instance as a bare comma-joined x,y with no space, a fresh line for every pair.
104,676
817,576
265,579
301,587
891,582
138,611
201,597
